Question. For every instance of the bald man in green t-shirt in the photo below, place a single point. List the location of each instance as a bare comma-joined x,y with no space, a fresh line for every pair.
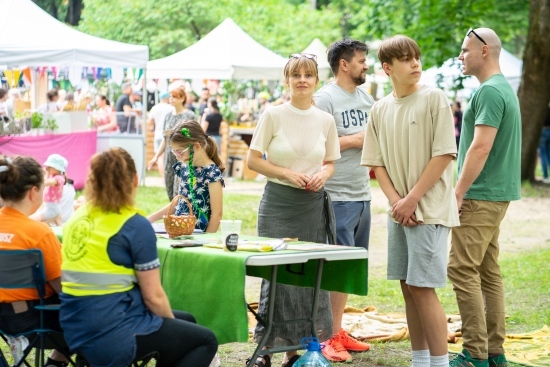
488,179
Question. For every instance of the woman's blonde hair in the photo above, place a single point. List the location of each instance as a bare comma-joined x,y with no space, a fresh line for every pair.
196,135
111,180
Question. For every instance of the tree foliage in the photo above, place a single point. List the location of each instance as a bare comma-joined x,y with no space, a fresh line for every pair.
67,11
168,27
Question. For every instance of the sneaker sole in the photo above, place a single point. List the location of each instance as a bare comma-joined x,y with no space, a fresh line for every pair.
358,350
349,360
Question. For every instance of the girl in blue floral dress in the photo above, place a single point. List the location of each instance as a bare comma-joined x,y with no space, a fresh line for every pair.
200,169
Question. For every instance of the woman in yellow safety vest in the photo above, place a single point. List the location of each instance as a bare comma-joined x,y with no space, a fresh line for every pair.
113,307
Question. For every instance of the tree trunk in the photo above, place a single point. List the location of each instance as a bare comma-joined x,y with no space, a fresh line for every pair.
534,90
53,9
74,12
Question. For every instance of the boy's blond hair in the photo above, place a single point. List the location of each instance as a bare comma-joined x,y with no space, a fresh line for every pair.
397,47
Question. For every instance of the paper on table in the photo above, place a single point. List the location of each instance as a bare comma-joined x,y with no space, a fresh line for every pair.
253,248
276,245
254,245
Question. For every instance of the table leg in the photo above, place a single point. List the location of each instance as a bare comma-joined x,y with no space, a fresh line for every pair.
316,296
269,321
270,310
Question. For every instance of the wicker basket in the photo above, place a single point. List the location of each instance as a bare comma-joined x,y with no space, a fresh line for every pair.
179,225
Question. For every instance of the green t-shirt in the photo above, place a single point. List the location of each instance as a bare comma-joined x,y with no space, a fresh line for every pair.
494,104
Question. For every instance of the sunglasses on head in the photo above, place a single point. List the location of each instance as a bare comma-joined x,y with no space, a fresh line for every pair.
470,31
308,56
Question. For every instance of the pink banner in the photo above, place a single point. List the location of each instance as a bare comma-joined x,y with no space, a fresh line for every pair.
78,148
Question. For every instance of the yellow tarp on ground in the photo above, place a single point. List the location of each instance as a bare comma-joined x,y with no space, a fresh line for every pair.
530,349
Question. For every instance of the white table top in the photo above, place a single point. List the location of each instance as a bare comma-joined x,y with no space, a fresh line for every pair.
347,253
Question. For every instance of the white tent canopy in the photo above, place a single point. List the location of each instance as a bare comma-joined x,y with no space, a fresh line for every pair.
510,66
317,48
29,36
227,52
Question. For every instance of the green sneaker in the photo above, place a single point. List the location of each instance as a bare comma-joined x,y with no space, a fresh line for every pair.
497,360
464,359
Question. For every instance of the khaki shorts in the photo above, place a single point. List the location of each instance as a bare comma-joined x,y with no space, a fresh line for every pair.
418,254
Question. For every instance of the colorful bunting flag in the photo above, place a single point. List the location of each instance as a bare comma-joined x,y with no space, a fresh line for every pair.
12,77
27,79
42,71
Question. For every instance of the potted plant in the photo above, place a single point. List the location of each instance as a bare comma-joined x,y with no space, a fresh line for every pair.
36,120
51,124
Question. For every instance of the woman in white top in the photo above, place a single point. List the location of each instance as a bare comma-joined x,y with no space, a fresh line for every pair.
301,143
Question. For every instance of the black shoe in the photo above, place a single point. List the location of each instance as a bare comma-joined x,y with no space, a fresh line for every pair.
292,360
261,361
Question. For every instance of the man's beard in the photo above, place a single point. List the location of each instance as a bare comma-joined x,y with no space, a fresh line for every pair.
359,80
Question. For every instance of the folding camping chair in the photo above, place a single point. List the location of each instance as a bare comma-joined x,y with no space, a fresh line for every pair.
25,269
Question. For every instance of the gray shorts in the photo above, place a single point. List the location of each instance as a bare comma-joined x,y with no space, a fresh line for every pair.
51,210
352,223
418,254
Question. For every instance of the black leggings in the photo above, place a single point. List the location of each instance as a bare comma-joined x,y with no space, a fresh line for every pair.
179,342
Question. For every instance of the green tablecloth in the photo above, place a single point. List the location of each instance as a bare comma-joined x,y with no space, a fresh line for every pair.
209,283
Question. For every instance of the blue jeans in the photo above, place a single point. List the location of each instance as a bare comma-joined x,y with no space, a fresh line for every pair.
352,223
544,150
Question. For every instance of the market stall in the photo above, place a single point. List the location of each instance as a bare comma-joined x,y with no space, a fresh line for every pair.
49,42
227,53
318,48
26,51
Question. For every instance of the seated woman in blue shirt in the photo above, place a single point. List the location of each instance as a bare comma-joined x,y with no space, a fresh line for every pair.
113,307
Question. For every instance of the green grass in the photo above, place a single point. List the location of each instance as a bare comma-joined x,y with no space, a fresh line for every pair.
243,207
539,190
526,278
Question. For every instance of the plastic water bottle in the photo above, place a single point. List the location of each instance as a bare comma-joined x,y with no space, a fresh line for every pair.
313,357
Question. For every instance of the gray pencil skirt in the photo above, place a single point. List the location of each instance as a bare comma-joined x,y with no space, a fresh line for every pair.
289,212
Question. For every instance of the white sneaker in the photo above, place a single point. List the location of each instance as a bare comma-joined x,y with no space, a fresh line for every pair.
546,180
215,361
